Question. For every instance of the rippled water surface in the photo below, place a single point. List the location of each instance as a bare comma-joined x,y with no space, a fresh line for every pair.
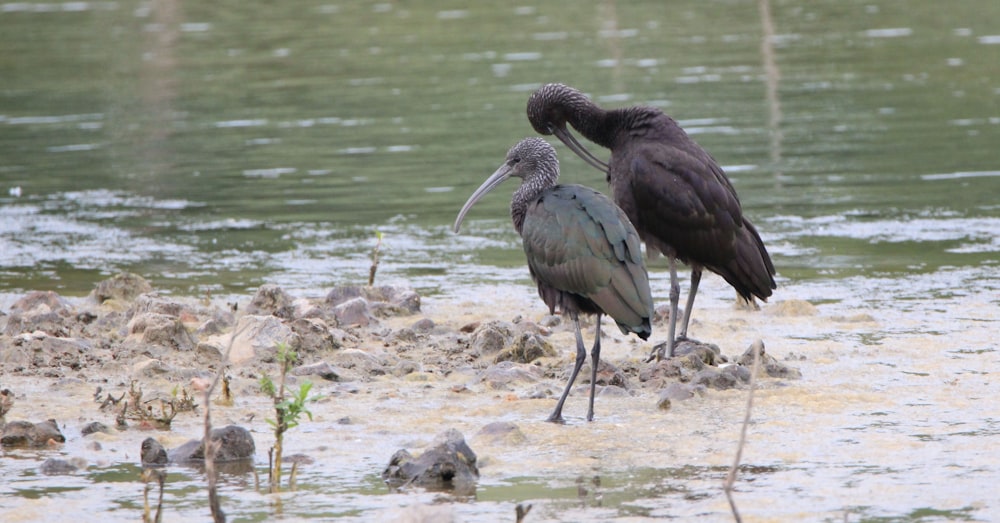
216,146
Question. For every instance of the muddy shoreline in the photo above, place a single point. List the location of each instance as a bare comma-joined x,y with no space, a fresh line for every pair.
394,374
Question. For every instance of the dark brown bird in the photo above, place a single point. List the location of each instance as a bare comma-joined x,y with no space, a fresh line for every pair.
672,190
582,252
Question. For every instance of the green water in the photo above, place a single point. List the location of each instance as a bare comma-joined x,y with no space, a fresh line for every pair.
216,146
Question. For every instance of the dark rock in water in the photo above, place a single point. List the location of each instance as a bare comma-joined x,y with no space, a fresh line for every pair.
449,464
94,426
60,467
152,453
236,444
122,287
271,299
27,434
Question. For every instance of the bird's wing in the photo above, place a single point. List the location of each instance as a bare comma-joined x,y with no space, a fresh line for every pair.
682,198
576,240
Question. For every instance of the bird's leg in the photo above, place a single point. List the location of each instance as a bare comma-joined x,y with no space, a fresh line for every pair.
595,358
581,356
695,280
675,297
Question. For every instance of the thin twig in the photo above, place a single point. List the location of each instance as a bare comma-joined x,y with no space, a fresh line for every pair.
218,516
731,477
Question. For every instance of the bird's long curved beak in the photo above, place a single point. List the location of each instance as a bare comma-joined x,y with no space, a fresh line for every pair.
567,138
495,179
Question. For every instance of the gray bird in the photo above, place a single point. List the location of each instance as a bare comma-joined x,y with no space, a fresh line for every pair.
582,251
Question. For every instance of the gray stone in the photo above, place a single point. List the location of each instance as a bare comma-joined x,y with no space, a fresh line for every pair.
271,299
163,330
121,287
449,464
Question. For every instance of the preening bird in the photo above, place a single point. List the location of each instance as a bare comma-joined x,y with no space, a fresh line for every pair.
582,251
674,193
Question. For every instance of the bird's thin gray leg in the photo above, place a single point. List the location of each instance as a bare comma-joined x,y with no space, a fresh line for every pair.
675,297
595,358
695,280
581,356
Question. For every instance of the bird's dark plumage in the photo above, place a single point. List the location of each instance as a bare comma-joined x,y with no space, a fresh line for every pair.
582,251
679,199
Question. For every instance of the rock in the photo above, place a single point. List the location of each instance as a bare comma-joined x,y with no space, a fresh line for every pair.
152,302
6,403
449,464
314,335
677,391
152,453
385,301
257,338
491,337
121,287
94,426
526,348
423,326
321,369
505,373
271,299
793,308
714,378
504,432
61,467
708,353
44,311
236,444
27,434
162,330
363,363
353,312
769,364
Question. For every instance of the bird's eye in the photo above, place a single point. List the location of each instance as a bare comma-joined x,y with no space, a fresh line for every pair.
516,159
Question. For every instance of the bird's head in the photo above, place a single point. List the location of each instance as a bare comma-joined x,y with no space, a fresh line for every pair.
532,159
549,110
549,105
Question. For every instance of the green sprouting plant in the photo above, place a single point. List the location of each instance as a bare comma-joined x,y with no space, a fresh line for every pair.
287,411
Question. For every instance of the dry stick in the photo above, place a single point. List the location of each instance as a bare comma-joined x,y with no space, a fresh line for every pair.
218,516
731,478
374,267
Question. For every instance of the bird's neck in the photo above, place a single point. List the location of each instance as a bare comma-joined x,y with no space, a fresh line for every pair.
529,191
594,123
606,128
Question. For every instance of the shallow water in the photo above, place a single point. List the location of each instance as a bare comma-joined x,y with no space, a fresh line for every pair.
894,419
213,148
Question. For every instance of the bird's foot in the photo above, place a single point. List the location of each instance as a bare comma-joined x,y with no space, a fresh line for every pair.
557,418
659,351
